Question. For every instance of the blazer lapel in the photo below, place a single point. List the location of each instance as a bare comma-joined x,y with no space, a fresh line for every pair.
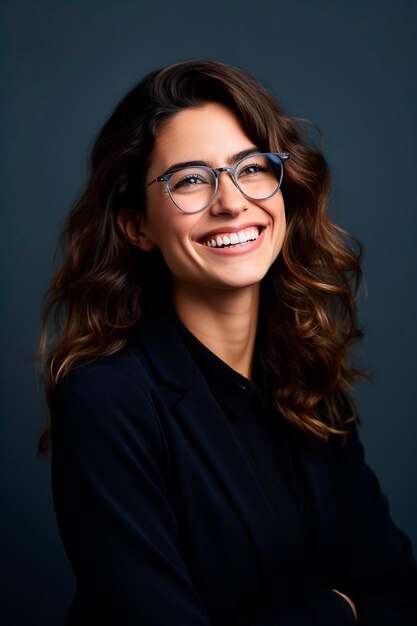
213,436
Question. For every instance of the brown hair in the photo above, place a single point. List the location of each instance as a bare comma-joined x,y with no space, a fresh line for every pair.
308,315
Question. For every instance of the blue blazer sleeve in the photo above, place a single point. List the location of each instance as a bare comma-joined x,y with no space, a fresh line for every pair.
113,500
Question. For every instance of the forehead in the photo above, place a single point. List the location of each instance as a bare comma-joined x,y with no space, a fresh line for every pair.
209,133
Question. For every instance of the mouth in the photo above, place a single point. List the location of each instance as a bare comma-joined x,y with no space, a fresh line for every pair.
233,239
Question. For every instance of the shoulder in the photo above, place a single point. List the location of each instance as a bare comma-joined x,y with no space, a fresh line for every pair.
113,375
114,394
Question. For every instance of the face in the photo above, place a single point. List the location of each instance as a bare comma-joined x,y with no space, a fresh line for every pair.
211,134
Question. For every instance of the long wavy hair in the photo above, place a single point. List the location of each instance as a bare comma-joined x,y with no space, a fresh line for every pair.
307,310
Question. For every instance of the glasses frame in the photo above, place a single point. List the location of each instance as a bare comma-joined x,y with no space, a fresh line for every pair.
164,178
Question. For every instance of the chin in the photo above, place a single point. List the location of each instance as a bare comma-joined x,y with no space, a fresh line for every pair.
240,282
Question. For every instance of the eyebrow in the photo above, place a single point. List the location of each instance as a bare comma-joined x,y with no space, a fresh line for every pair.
231,160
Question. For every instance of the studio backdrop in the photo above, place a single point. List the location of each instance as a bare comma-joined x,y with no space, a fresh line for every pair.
348,67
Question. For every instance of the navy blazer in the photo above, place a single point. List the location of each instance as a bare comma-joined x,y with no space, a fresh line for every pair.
165,522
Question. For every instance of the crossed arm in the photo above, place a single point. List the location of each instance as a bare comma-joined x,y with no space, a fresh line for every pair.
120,531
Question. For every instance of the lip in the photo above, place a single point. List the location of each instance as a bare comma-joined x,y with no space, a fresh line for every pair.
243,248
231,229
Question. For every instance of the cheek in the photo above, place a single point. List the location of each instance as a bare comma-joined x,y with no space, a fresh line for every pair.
279,231
283,225
279,220
172,236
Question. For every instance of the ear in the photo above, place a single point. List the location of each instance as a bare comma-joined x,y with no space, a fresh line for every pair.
133,228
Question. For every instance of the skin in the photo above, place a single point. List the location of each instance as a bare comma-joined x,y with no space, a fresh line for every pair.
215,294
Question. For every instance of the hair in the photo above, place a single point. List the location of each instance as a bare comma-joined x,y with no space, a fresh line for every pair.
307,308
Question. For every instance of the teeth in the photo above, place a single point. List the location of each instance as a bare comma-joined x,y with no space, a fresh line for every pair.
233,238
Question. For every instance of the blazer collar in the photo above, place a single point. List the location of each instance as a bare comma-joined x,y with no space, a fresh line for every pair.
170,362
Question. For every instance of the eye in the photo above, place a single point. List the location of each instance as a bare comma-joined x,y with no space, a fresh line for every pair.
188,181
183,181
251,169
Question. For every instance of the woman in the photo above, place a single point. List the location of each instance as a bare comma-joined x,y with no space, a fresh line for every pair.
205,460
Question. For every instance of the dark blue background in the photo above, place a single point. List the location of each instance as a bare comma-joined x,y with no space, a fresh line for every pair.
349,67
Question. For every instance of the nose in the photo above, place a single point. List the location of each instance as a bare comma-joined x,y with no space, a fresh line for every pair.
229,199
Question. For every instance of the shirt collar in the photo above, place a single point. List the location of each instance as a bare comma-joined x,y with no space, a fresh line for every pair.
231,389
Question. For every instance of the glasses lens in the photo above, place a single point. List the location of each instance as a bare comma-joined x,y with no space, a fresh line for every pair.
192,188
259,176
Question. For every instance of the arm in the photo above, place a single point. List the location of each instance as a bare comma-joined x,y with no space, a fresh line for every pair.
112,506
379,572
115,515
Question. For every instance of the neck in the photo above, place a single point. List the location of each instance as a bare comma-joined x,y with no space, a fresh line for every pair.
224,321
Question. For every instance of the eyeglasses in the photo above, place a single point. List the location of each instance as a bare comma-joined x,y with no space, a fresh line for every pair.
192,189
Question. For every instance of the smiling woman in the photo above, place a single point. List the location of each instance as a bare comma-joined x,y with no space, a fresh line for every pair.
210,210
206,463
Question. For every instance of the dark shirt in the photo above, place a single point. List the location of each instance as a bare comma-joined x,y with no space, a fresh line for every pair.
265,437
